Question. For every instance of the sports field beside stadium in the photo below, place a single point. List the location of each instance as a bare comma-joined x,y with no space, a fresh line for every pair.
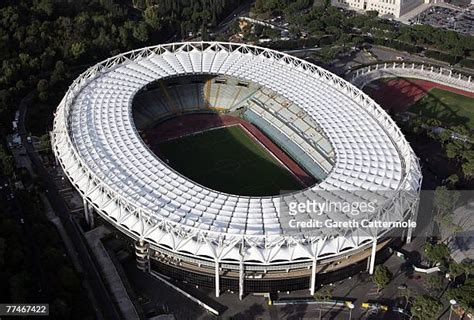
448,107
228,160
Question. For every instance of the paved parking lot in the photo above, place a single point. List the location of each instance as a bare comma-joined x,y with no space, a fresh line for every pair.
461,21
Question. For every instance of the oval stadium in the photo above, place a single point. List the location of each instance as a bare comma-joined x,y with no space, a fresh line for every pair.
200,152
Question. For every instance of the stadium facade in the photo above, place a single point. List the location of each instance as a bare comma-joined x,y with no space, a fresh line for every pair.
231,242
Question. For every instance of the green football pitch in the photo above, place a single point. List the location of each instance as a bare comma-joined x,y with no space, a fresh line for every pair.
230,161
448,107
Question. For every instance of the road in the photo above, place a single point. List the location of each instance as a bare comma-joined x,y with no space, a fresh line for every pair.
389,54
295,52
240,10
91,274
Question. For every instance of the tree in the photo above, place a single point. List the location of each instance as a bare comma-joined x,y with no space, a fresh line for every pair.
452,150
329,54
259,6
139,4
42,88
7,165
426,308
140,32
464,295
77,49
459,269
323,294
436,253
46,6
435,282
453,180
151,17
42,85
59,72
382,276
445,200
468,169
447,226
45,142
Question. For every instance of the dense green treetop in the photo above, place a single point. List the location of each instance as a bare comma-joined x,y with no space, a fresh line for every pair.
52,41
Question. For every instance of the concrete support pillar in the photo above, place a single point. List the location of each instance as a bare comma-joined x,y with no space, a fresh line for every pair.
142,255
241,278
216,275
372,255
313,277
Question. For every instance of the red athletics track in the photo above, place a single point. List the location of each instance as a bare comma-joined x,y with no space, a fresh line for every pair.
189,124
399,94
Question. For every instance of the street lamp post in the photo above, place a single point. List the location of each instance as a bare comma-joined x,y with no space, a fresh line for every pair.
453,303
350,306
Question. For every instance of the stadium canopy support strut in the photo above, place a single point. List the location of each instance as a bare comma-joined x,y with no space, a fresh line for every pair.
372,256
88,214
91,216
313,277
51,138
217,278
413,218
86,211
409,232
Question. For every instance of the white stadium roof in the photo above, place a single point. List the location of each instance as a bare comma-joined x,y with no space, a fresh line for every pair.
98,146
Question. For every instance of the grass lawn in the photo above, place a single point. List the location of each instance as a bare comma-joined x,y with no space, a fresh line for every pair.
448,107
228,160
